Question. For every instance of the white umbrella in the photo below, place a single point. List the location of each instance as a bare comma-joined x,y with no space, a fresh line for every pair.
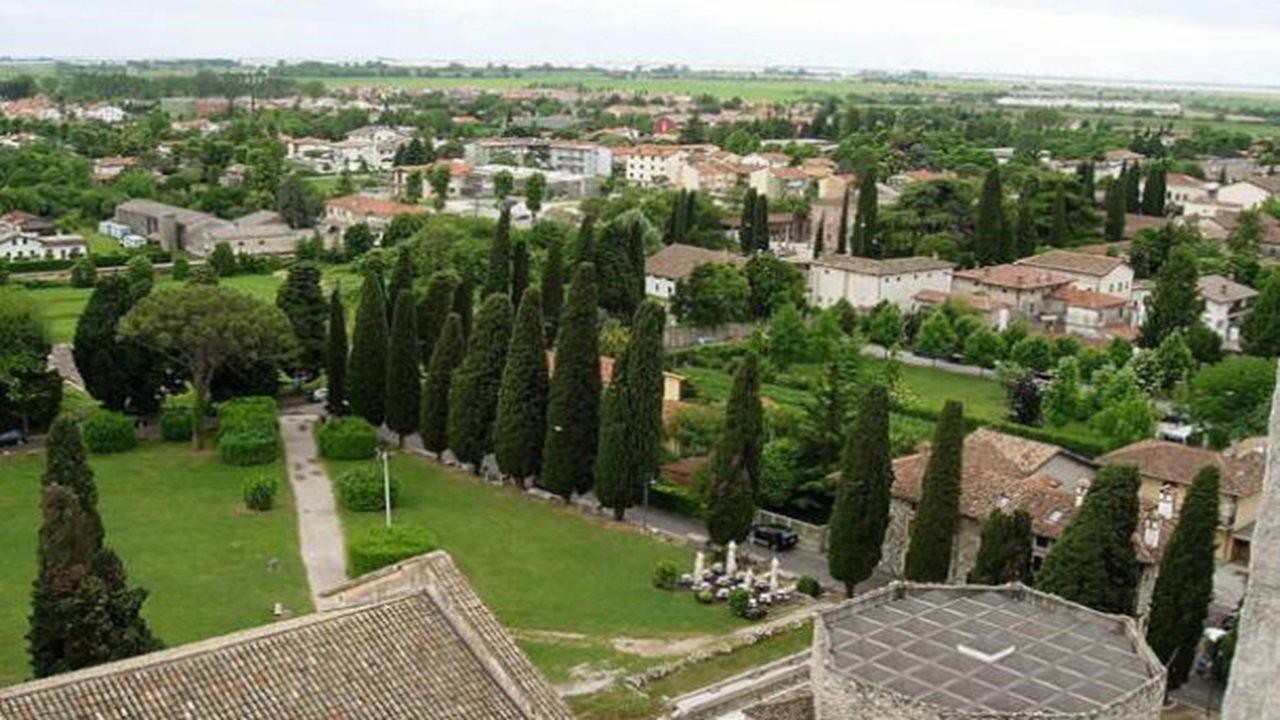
699,567
731,560
750,580
773,576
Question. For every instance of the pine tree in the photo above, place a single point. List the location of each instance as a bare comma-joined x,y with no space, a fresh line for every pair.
820,237
520,428
573,406
122,375
402,277
1113,229
1094,563
842,233
473,394
990,232
631,426
1004,551
938,513
302,301
1060,231
336,355
404,375
446,356
1175,303
861,512
367,366
1184,587
735,464
552,288
865,242
498,279
434,310
519,270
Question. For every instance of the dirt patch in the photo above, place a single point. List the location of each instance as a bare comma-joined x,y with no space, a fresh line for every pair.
667,647
558,638
586,679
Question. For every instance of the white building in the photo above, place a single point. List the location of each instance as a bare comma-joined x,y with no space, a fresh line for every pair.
865,282
1226,303
1095,273
19,246
1181,189
577,158
1250,193
672,264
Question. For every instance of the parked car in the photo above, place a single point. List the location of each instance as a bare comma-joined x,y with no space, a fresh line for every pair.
318,395
10,438
774,537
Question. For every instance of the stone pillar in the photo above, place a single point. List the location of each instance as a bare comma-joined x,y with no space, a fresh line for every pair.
1251,691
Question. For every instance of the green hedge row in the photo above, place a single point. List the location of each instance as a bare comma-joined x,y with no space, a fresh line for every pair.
362,490
383,546
1089,447
108,432
348,438
100,260
677,499
247,431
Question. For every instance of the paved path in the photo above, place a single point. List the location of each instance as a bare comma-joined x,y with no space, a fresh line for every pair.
907,358
323,551
61,359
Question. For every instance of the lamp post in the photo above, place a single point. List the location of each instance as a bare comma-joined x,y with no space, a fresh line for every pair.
385,457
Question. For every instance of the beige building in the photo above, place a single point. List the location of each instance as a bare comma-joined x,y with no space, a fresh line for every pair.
1024,289
672,264
342,212
1087,313
866,282
1226,304
1095,273
1250,193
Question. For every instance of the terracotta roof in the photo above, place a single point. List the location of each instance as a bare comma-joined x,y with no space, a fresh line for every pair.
1184,180
1134,224
1073,262
412,640
928,175
1219,289
1014,277
365,205
1088,299
676,262
892,266
1241,467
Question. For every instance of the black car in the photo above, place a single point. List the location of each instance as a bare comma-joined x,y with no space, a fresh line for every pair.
774,537
11,438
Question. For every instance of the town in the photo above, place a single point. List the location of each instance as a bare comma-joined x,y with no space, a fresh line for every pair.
438,391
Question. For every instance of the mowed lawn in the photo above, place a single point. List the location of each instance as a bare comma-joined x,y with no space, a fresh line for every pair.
176,519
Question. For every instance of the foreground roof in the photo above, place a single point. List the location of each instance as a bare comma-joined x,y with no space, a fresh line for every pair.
676,262
1014,277
411,641
1073,262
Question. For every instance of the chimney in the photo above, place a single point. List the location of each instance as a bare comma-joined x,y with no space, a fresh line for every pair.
1151,533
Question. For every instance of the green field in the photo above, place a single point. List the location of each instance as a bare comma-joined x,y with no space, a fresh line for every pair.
176,519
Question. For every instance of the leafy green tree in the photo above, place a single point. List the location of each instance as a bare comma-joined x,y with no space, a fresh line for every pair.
207,328
631,423
446,356
735,464
1024,400
434,310
1175,304
773,283
830,409
865,241
521,422
1093,563
357,240
788,339
181,269
296,206
938,513
499,274
1231,400
404,376
336,355
439,177
1184,587
713,294
1113,230
885,326
991,241
503,184
552,288
367,366
83,273
936,338
1062,401
1004,550
861,513
1033,352
223,260
983,348
1260,334
573,407
413,187
303,303
1174,360
345,185
119,374
535,189
473,394
1205,344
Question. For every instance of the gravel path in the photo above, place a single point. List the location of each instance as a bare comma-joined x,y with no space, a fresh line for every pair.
323,550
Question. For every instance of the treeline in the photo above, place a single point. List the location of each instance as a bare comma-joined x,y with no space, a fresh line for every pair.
93,85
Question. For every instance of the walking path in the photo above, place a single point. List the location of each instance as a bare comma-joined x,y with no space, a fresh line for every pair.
323,550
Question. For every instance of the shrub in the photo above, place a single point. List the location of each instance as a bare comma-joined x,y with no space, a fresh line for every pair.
247,447
706,597
259,492
384,546
665,575
175,423
348,438
739,602
680,500
108,432
246,412
83,273
808,585
362,491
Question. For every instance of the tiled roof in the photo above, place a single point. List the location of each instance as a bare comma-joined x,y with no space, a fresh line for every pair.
1075,297
1073,262
1185,181
676,262
892,266
1134,224
1241,467
365,205
1013,277
1219,289
411,641
1270,183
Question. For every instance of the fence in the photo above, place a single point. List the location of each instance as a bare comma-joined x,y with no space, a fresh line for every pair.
812,537
676,337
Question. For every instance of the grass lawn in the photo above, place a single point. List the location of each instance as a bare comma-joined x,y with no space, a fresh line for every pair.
982,398
176,519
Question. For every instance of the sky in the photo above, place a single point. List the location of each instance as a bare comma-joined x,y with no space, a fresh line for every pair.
1200,41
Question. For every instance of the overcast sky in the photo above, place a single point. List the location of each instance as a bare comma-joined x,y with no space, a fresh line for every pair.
1227,41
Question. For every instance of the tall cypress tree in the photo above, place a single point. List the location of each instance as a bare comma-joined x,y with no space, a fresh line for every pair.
1060,231
434,310
735,464
760,224
1026,235
842,234
621,268
473,395
631,427
1093,563
402,276
1175,302
404,375
1184,587
861,512
1087,177
1132,176
938,514
552,288
746,224
1113,228
584,247
462,302
1004,551
520,428
865,242
433,422
519,270
367,366
498,279
820,238
989,233
302,301
336,355
120,374
1153,193
573,407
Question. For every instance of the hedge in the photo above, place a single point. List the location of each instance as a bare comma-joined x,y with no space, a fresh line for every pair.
100,260
246,412
259,492
108,432
1089,447
383,546
674,498
362,490
175,423
348,438
249,447
247,431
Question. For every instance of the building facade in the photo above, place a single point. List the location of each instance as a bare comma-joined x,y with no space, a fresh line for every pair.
866,282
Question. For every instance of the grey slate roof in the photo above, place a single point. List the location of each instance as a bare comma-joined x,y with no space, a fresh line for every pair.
431,651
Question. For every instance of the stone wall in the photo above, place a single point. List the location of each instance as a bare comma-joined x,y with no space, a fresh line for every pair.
897,538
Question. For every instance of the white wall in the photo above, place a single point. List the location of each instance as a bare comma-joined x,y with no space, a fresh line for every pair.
827,285
1246,195
659,287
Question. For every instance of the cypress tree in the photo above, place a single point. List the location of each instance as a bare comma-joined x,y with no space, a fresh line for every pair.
1184,587
621,268
938,514
1113,229
1175,302
1085,174
584,248
819,238
1060,232
573,406
1026,236
1093,563
120,374
1261,330
367,366
522,400
473,394
519,270
735,465
552,288
402,276
746,231
842,234
336,355
433,424
1132,176
462,300
302,301
865,240
669,233
760,225
861,512
498,279
1153,194
989,247
434,310
404,375
1004,552
690,217
631,428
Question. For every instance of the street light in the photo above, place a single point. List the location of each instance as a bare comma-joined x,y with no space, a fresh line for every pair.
385,457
